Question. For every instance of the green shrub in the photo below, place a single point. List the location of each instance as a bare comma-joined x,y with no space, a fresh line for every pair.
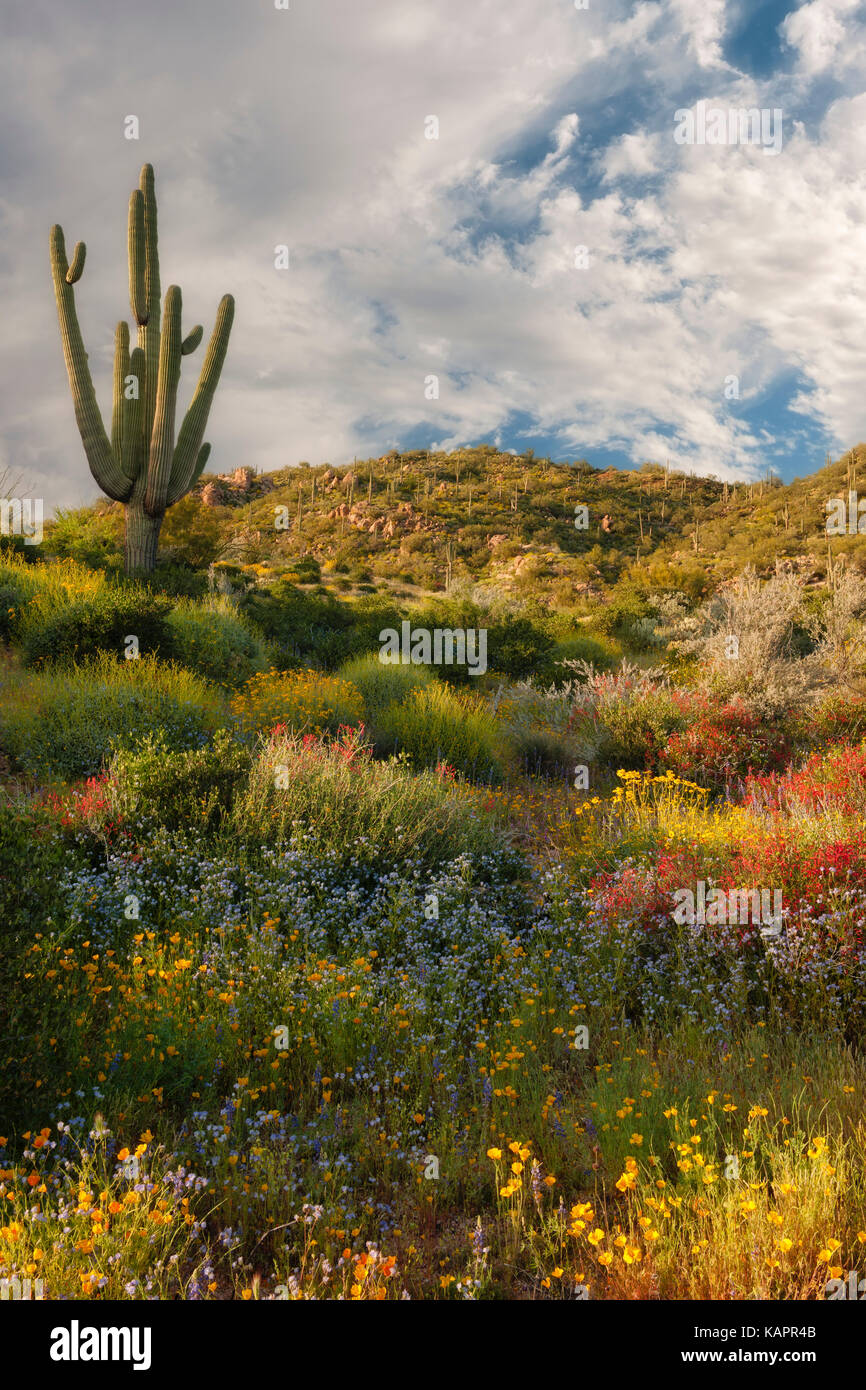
626,616
16,590
92,536
71,627
382,684
839,718
518,643
177,581
601,651
156,785
320,629
516,646
65,723
31,860
623,718
214,640
434,725
635,733
305,570
333,795
537,723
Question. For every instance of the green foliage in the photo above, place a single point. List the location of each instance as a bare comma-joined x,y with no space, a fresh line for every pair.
383,684
89,535
18,585
839,718
601,651
31,860
192,533
216,641
80,625
177,581
634,733
517,647
315,628
333,796
622,719
155,785
625,617
435,725
65,723
662,577
305,570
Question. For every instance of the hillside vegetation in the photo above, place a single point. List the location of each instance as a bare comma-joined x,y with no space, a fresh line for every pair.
327,977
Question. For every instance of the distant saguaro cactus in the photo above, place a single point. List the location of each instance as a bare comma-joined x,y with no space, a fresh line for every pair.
141,465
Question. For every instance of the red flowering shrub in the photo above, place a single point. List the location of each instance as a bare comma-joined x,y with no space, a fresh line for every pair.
348,746
446,773
88,806
722,744
835,779
807,875
643,892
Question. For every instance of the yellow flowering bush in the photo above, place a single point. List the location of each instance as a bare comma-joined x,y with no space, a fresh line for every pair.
304,701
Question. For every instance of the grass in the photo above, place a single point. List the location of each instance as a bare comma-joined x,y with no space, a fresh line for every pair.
435,725
334,795
65,722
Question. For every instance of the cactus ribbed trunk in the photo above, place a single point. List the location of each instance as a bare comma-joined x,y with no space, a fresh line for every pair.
142,539
143,465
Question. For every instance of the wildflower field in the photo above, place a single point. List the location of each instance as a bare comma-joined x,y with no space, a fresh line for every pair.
358,984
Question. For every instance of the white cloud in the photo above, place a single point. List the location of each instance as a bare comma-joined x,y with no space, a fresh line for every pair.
820,35
633,155
453,256
703,22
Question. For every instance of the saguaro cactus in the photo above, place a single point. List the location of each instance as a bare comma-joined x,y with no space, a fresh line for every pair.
141,465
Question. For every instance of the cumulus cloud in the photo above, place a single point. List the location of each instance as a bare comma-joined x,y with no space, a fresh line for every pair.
823,33
454,256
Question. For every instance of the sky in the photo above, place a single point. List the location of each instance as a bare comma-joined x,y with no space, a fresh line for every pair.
436,294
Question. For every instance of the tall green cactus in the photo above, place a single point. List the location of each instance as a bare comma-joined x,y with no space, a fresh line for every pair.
141,465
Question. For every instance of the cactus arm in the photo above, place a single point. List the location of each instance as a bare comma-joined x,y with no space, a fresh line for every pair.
121,371
148,332
189,440
130,460
203,456
76,268
162,438
151,261
182,485
136,243
103,465
192,340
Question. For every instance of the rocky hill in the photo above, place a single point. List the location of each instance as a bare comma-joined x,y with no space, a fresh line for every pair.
564,532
